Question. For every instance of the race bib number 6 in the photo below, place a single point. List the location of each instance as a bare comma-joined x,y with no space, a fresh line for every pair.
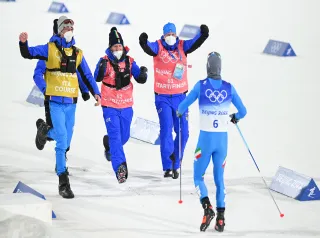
215,124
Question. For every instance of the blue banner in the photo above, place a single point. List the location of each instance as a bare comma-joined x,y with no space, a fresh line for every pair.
22,188
279,48
145,130
294,185
58,7
36,97
189,31
117,19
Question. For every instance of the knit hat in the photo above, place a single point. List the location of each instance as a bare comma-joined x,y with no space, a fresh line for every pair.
115,37
63,22
169,27
214,65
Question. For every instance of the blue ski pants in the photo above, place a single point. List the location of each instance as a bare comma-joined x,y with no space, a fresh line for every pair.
63,118
167,105
118,122
211,145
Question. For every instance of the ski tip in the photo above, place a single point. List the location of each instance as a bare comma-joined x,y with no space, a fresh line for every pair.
180,201
281,215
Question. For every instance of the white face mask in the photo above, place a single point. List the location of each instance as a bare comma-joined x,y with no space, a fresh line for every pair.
170,40
118,54
68,36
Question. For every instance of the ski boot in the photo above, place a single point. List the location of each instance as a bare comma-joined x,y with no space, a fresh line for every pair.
41,136
167,174
208,214
107,147
64,186
122,173
220,220
175,173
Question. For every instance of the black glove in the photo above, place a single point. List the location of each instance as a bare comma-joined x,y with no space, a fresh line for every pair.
102,70
85,96
143,38
234,120
143,75
204,30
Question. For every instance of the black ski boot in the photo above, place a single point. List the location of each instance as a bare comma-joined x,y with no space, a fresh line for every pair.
67,171
175,173
220,220
64,186
122,173
167,174
208,214
41,136
106,147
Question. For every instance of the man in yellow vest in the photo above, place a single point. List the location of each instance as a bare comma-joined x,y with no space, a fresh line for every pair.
65,63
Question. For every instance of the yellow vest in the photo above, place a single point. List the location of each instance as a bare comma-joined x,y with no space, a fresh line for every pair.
58,83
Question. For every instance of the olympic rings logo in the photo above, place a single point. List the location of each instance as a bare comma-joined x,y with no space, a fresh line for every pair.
216,96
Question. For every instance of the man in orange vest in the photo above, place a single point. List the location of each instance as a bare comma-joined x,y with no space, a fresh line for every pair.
170,87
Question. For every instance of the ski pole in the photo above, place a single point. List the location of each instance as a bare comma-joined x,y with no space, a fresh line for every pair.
281,214
180,201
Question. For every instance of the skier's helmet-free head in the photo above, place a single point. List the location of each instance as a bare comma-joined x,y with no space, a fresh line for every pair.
64,24
214,64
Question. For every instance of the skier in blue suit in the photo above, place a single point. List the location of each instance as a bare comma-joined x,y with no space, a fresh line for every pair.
215,97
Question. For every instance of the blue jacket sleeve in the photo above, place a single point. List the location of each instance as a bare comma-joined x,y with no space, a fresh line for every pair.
237,102
187,44
36,52
151,48
154,46
135,70
87,78
38,78
82,85
192,96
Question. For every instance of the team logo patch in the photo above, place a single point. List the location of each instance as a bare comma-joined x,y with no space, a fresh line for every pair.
197,153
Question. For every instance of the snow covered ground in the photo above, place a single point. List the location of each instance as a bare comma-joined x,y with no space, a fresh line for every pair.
281,125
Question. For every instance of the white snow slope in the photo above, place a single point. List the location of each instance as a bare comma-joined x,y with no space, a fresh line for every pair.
280,127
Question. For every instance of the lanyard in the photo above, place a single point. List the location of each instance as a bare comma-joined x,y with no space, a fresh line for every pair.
173,55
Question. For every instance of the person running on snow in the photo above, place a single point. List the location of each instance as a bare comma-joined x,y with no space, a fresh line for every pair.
115,70
38,77
64,62
215,97
170,87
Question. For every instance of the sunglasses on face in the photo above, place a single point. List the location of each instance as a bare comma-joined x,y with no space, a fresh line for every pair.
68,21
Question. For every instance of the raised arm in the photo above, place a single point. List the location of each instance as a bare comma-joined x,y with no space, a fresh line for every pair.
151,48
191,45
37,52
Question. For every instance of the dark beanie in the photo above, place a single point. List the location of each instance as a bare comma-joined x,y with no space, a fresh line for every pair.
115,37
55,26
